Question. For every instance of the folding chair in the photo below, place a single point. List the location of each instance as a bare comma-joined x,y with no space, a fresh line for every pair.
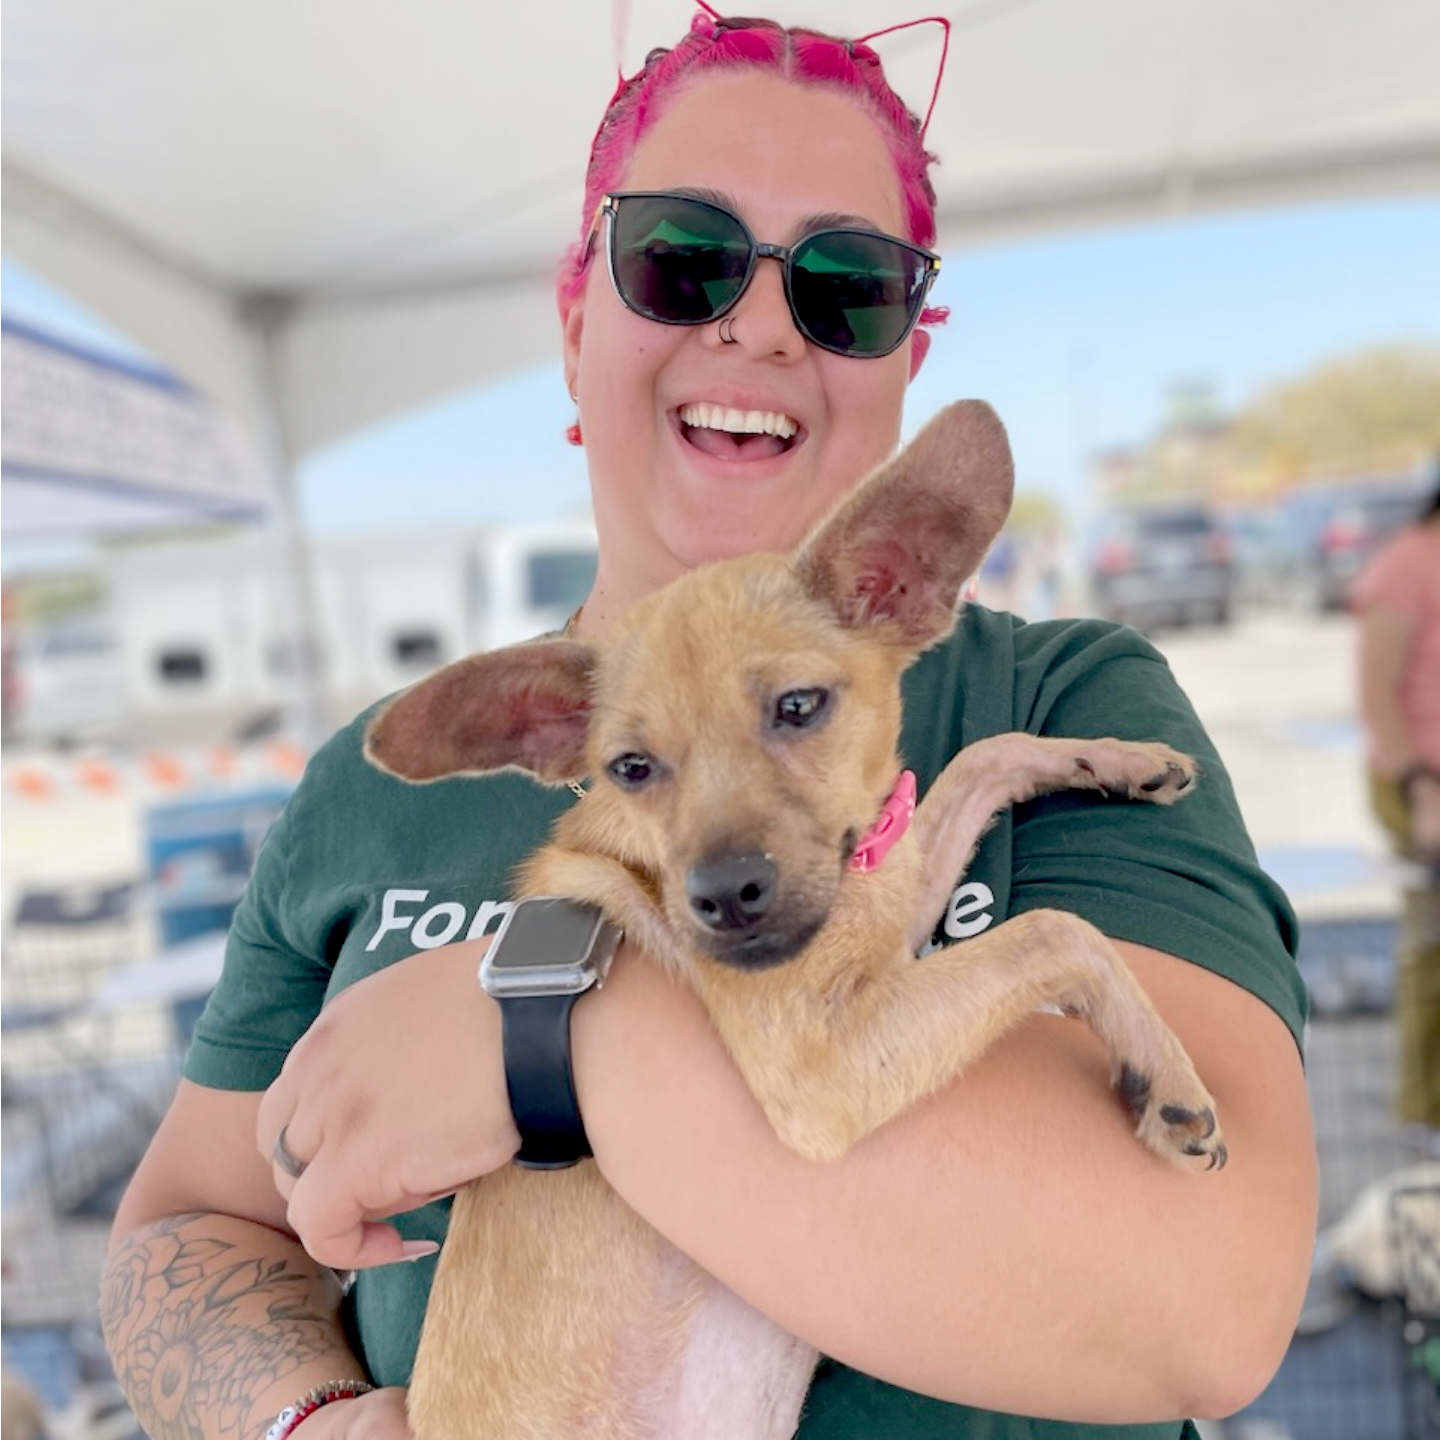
83,1088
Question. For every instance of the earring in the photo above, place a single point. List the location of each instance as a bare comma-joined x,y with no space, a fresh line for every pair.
573,435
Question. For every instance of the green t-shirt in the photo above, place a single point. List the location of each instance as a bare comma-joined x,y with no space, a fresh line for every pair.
362,870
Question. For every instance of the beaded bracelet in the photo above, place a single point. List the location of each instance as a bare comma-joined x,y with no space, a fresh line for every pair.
311,1401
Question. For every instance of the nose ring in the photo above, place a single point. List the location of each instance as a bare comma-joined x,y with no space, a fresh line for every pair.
730,338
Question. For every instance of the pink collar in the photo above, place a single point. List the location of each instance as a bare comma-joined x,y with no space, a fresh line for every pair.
890,824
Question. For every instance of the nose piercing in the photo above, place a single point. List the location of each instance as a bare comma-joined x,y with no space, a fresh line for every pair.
730,338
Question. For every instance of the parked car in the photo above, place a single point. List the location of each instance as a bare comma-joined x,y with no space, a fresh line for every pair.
1163,564
1336,529
1263,553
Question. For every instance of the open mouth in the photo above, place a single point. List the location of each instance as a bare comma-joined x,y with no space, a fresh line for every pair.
727,434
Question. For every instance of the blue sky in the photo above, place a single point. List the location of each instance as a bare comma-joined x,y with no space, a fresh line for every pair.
1076,339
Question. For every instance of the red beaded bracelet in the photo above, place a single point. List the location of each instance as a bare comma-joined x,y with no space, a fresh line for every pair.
311,1401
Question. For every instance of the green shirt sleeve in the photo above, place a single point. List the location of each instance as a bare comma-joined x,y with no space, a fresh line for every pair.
1182,878
276,975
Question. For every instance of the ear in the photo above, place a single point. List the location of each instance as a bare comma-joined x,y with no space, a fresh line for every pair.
572,328
526,706
897,551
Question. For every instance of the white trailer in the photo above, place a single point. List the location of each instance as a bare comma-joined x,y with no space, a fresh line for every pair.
206,647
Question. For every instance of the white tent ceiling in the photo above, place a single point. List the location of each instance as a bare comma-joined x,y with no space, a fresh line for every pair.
325,211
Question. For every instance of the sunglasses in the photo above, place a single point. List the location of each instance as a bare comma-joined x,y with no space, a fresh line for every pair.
682,261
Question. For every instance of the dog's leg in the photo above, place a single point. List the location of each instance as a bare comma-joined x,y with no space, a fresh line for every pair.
830,1068
1004,770
556,1313
597,879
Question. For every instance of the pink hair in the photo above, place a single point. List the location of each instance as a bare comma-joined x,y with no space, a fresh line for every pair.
805,57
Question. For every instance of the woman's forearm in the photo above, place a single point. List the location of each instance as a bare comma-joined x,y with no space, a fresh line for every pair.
214,1324
998,1245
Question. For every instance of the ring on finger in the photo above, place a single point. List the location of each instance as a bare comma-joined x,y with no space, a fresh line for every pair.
285,1160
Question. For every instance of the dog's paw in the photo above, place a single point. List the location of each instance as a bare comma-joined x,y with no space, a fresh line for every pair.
1134,770
1174,1116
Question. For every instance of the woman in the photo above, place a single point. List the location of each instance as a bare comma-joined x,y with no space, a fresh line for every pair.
1007,1245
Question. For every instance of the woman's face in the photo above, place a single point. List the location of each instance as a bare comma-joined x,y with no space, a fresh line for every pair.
669,494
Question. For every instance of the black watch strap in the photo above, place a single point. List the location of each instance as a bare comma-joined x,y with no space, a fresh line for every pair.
536,1035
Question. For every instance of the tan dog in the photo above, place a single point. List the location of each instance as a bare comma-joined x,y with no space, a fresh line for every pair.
741,727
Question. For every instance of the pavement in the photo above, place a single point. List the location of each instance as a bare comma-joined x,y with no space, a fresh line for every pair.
1277,694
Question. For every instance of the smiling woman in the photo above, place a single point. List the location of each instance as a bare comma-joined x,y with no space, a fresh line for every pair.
739,367
667,499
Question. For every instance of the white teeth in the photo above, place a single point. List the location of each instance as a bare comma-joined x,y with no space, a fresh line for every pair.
739,422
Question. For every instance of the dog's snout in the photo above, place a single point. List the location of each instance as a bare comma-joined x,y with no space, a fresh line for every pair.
731,891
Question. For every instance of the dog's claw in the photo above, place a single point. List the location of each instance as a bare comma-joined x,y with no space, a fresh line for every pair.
1157,782
1175,1128
1134,770
1218,1156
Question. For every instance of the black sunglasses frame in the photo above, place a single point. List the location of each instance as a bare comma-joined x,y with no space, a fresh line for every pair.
785,254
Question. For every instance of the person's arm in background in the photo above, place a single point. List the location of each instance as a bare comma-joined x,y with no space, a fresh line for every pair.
1387,643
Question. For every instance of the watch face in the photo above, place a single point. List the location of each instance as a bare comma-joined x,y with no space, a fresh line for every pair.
549,946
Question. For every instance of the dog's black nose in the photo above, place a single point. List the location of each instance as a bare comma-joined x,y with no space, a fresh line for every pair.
731,891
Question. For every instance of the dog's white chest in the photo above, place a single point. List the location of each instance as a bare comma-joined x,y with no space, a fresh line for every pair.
740,1377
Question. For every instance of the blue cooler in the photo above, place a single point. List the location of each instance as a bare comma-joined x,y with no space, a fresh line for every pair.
201,852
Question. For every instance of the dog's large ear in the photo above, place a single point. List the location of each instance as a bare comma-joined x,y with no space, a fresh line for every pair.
896,553
526,706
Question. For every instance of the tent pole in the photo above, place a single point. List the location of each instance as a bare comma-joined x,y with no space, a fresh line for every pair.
264,320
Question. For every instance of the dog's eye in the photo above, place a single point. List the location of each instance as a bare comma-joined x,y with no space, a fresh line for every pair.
631,770
798,708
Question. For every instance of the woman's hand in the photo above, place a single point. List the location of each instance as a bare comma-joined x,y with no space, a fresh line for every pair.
395,1095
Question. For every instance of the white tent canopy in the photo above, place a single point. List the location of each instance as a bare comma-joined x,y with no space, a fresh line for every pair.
322,212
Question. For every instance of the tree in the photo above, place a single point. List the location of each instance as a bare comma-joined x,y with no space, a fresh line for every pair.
1373,412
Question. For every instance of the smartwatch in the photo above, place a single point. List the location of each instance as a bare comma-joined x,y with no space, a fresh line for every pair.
547,952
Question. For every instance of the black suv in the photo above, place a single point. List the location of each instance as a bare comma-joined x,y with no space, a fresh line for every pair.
1167,563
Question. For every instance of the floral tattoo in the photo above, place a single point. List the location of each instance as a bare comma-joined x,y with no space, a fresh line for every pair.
197,1327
